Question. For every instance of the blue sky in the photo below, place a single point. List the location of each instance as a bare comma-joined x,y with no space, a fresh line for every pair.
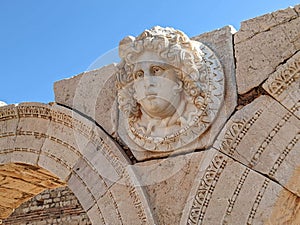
43,41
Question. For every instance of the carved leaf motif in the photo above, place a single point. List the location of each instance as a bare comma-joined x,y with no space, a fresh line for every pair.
284,76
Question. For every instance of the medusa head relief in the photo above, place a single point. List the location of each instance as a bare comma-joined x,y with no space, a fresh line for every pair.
170,89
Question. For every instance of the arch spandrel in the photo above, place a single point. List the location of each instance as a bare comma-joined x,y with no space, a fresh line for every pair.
75,150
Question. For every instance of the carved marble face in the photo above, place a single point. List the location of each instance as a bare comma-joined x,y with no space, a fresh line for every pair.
157,87
170,89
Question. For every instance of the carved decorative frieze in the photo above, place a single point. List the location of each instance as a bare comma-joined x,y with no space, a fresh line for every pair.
284,77
284,84
170,89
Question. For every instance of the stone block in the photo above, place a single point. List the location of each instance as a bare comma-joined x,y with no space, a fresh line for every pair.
55,166
221,43
94,181
127,196
81,191
93,94
262,44
167,183
264,136
228,192
95,215
109,212
284,84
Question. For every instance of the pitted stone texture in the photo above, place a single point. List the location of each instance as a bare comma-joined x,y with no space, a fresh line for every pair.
262,44
168,183
284,84
93,94
265,137
228,192
251,27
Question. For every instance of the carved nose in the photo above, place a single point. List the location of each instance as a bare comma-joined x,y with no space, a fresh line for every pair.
149,82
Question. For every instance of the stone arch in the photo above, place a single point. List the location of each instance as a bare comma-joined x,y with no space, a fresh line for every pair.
78,153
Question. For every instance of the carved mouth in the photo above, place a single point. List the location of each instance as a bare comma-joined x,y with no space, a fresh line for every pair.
151,95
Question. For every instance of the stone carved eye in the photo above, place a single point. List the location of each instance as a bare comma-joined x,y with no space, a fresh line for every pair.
138,74
157,70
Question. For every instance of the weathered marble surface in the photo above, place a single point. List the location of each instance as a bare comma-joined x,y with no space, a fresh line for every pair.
263,43
168,183
93,94
209,187
221,42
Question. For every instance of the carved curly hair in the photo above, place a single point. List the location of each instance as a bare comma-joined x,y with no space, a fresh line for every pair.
174,47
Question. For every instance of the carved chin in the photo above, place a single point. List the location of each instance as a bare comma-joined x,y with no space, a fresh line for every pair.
158,108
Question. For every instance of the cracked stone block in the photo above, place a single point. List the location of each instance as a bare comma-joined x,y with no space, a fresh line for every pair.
284,84
87,174
92,93
168,182
228,192
82,191
262,44
221,42
264,136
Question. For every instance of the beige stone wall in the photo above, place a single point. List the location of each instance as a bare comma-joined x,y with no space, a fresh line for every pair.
57,206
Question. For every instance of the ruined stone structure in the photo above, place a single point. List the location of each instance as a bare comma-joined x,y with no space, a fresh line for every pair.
201,130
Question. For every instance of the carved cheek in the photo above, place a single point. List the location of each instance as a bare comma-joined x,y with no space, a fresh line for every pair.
171,75
139,89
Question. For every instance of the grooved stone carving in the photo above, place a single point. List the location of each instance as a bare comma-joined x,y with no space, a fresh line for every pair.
223,189
284,84
275,150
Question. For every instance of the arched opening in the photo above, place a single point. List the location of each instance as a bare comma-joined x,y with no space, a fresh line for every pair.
77,153
20,182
